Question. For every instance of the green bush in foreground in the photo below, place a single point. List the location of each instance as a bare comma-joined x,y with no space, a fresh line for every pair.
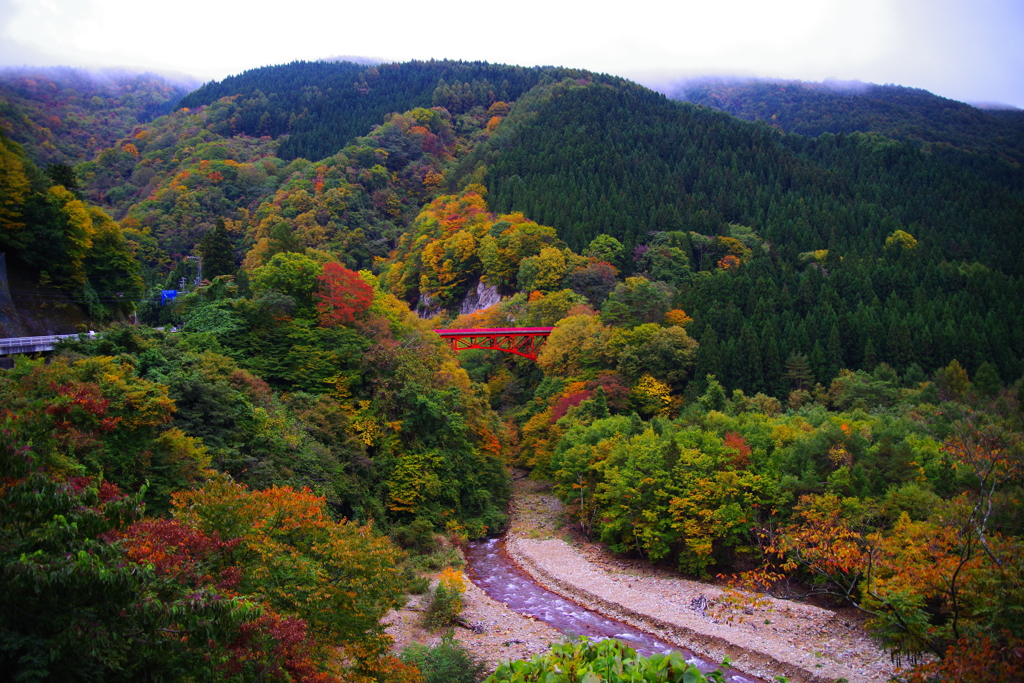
447,662
608,661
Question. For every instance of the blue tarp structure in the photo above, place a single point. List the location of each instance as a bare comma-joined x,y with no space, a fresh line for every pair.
167,295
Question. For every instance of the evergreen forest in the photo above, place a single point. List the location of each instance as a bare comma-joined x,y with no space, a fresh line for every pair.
787,356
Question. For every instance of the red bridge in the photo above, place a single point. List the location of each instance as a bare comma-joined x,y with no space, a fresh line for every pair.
522,341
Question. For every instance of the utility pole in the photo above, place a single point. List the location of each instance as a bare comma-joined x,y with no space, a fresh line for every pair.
199,268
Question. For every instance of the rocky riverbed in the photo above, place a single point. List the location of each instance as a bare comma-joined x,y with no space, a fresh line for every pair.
769,639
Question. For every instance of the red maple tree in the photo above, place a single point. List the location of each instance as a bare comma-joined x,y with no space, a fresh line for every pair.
343,295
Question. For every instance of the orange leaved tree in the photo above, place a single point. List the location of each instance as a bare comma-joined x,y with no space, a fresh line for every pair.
949,584
339,577
343,295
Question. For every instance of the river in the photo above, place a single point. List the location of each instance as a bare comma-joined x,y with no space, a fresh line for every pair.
490,568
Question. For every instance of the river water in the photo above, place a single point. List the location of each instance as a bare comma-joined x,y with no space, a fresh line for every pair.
490,568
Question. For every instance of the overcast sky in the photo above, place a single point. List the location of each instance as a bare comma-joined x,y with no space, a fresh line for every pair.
969,50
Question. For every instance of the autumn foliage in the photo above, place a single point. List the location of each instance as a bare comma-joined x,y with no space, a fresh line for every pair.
181,552
343,295
568,401
251,585
739,445
329,399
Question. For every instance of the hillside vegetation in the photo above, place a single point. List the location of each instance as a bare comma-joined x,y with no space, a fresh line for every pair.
949,129
792,361
62,255
62,115
321,106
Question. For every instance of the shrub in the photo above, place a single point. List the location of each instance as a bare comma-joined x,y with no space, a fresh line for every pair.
446,601
414,582
418,585
446,556
447,662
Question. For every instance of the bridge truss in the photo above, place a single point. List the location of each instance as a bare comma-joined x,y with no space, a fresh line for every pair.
522,341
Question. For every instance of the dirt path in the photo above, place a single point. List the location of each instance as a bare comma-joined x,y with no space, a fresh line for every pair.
799,641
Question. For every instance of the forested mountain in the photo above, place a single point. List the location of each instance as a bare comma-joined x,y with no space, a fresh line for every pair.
626,161
766,334
324,105
988,141
65,115
590,156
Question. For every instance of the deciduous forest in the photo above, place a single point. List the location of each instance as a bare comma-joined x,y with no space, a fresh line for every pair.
787,356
